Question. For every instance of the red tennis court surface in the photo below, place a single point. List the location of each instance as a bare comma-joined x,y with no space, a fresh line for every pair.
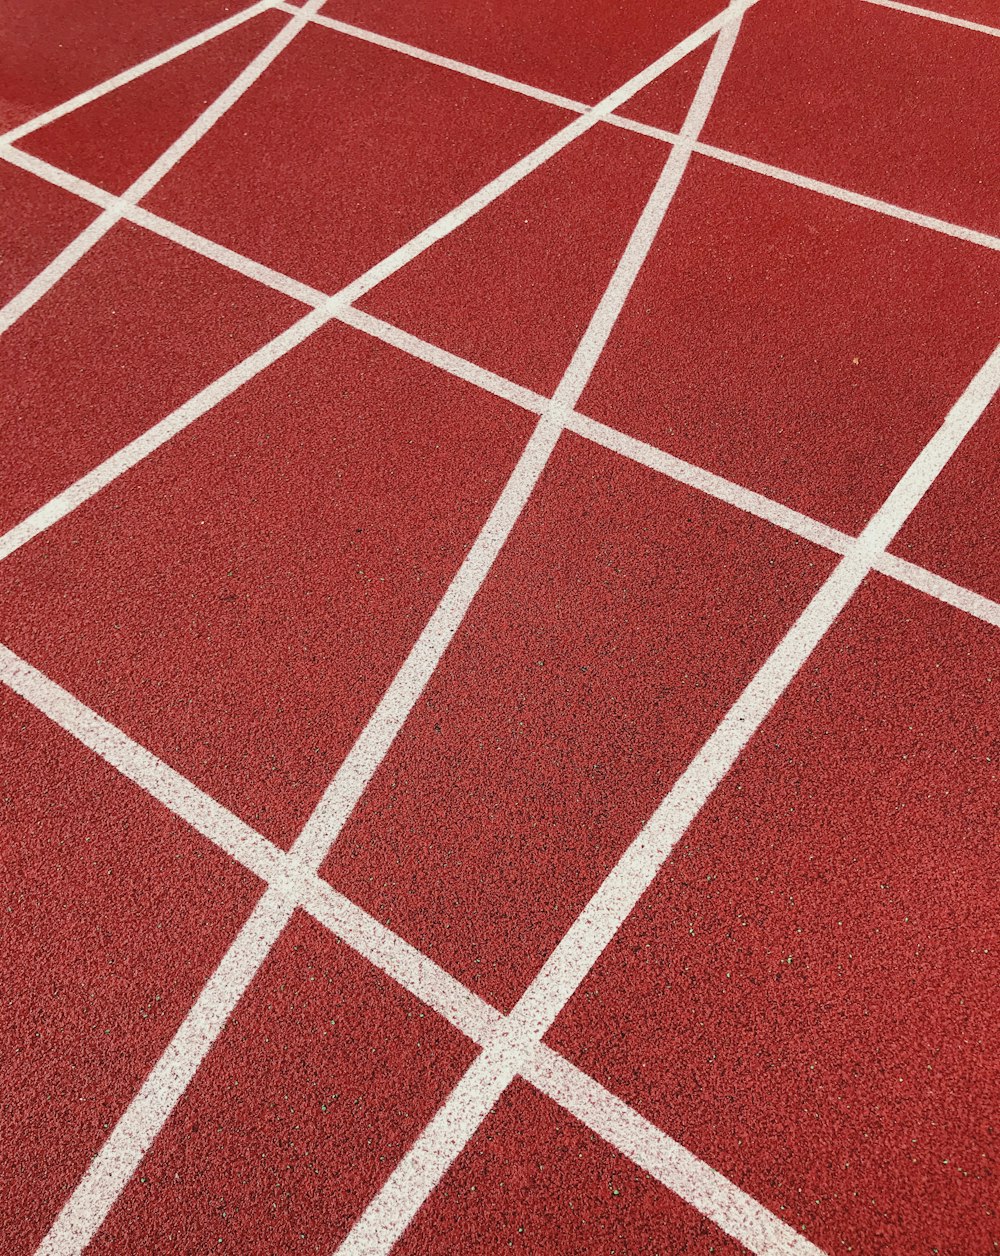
500,627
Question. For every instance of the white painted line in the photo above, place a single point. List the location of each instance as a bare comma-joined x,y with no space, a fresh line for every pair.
85,241
444,63
84,488
937,16
451,363
850,198
428,1159
611,438
727,491
938,587
136,71
371,747
148,1111
676,1168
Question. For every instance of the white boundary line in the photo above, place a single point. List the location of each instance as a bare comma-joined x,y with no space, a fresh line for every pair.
136,71
68,257
421,1169
936,16
99,477
847,195
611,438
138,1126
290,881
516,1041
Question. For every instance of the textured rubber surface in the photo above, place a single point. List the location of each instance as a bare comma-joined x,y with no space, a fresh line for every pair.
104,952
363,716
319,1082
806,996
608,684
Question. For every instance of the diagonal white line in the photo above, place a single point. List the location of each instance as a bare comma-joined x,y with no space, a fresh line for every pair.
517,1038
611,438
136,71
937,16
429,1158
290,881
99,477
706,1190
659,133
68,257
135,1131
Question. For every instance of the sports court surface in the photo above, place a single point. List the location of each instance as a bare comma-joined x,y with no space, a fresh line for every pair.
500,620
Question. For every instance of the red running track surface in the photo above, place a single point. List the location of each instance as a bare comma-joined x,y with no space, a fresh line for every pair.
466,785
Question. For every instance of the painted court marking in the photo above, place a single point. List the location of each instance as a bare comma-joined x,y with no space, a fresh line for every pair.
295,884
47,278
513,1043
133,1134
476,1094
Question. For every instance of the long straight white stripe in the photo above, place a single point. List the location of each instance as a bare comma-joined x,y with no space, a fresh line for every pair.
136,71
99,477
421,1169
610,1117
659,133
115,1163
515,1041
937,16
714,1196
68,257
611,438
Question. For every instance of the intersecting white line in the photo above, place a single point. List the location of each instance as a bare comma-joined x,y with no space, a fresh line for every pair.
429,1158
138,1126
611,438
68,257
136,71
516,1041
767,169
295,882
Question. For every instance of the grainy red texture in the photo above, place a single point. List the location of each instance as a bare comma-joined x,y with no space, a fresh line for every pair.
322,174
955,530
897,106
582,681
114,915
666,100
240,601
533,1179
134,329
53,50
806,997
115,138
514,289
580,50
325,1074
37,221
799,346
